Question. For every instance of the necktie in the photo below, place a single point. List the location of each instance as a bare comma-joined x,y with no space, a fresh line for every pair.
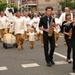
48,23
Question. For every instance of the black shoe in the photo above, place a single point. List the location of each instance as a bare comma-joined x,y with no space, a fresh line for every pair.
74,71
49,64
52,62
68,60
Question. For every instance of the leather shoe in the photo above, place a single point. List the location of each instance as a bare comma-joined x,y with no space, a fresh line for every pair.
49,64
74,71
69,61
52,62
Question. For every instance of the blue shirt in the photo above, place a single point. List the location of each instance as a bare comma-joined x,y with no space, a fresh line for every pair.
48,24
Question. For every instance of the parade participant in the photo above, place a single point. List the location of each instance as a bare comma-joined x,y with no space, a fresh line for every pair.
62,17
3,25
27,25
48,22
19,30
73,43
41,36
9,11
41,32
67,32
31,37
56,28
35,23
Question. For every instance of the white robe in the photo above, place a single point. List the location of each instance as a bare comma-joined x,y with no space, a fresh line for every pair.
57,28
19,26
31,36
3,22
8,14
62,18
27,21
36,24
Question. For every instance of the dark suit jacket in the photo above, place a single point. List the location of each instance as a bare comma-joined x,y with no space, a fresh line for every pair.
43,22
73,32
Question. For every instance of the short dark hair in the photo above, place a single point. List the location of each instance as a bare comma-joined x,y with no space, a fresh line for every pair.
48,7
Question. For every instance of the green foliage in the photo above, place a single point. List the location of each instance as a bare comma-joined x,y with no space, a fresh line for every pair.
15,8
3,6
68,3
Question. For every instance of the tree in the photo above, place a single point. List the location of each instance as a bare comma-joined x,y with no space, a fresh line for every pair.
3,6
15,8
68,3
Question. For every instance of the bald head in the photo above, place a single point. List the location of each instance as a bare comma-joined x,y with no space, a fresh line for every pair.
67,9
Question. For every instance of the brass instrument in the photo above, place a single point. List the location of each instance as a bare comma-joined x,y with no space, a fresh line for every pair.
70,32
51,29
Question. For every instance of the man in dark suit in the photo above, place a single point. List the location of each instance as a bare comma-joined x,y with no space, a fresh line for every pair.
73,44
45,22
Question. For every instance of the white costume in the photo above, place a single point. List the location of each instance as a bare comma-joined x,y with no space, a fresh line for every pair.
3,26
57,28
19,25
3,22
27,21
8,14
62,17
35,23
31,36
19,31
11,24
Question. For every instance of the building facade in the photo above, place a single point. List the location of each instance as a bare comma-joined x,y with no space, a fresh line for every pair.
39,5
35,5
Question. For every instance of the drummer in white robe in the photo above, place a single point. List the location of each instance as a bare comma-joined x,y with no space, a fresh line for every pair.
3,25
19,30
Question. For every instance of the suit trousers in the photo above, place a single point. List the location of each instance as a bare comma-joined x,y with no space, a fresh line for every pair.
68,42
73,46
49,47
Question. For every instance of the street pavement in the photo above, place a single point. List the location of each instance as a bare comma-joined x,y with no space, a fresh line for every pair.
32,61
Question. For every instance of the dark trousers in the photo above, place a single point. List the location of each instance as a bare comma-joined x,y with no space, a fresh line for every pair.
68,42
49,47
73,46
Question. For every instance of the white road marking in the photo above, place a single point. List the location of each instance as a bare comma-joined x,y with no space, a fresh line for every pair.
3,68
61,36
30,65
61,55
60,62
72,73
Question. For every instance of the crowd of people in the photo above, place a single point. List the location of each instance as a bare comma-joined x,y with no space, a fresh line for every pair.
45,27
